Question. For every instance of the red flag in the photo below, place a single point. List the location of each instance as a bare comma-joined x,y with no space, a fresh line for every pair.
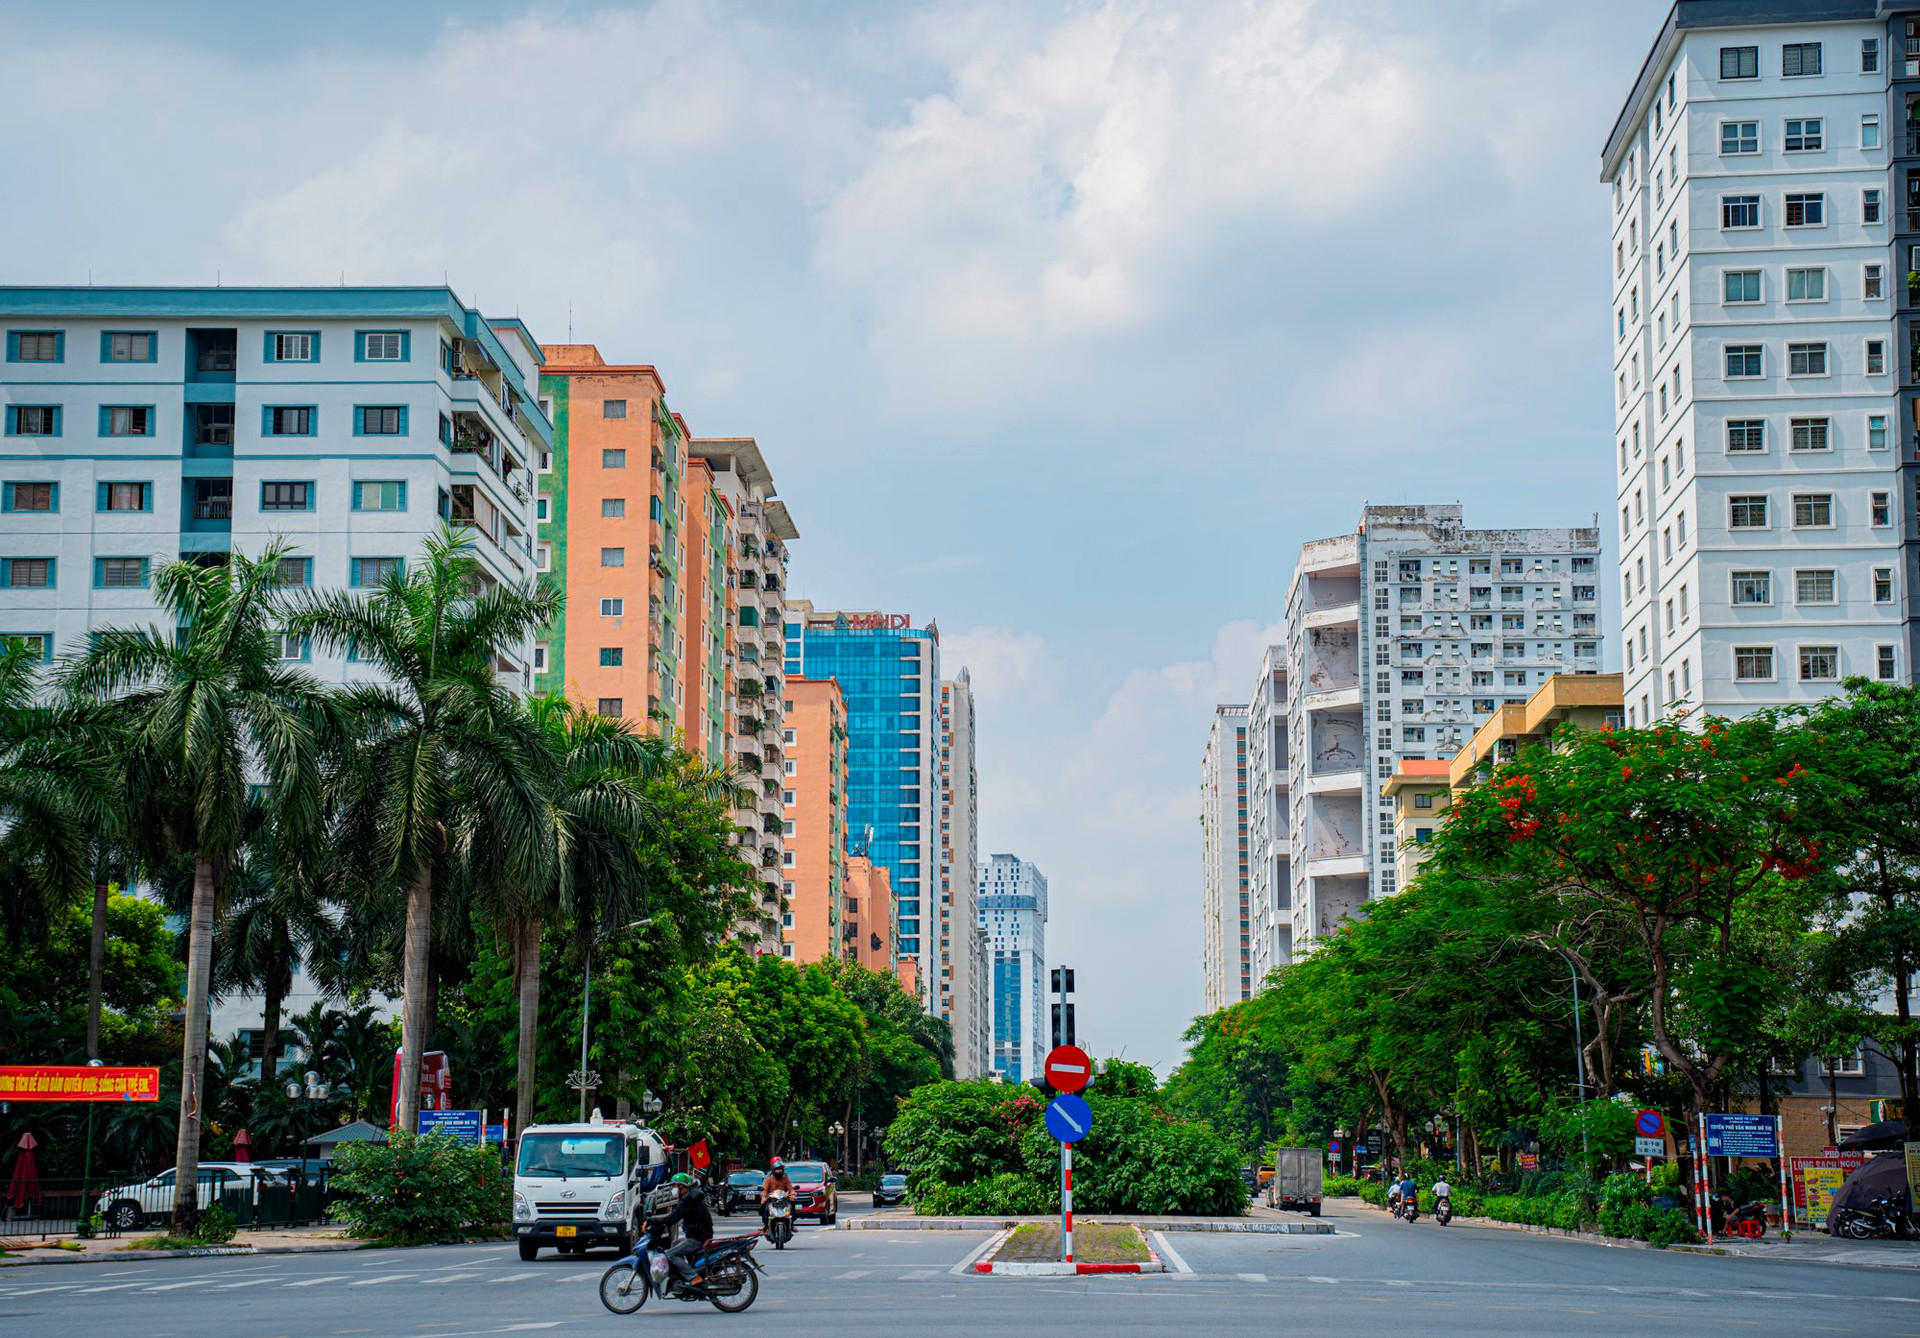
697,1154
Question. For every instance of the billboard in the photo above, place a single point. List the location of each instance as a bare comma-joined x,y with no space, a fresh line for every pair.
77,1082
1814,1181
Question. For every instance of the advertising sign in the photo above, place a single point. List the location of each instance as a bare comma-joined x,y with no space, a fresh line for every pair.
464,1125
77,1082
1814,1181
1649,1147
1913,1172
436,1085
1529,1161
1741,1136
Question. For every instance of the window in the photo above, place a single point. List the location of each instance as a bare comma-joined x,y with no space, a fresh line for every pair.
1681,521
1880,509
613,608
1876,432
540,659
1743,361
380,496
286,497
1739,211
1806,285
288,647
613,508
611,706
126,421
368,572
1815,587
1806,209
613,408
1876,357
127,346
39,644
293,348
613,459
24,573
1747,512
1746,436
1819,664
213,425
119,573
388,420
612,657
1753,664
542,506
543,557
294,572
1870,213
613,557
33,420
1739,286
31,497
1739,137
1869,55
1806,359
1805,136
1739,62
125,497
383,346
1870,131
289,422
1883,663
1812,510
36,346
1810,434
1684,611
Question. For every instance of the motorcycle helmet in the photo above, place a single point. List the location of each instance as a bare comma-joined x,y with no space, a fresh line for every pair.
681,1179
779,1165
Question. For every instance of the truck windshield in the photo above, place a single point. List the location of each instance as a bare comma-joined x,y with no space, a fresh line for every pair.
568,1155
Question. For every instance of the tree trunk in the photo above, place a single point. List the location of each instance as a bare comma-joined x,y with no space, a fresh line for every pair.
526,971
96,969
193,1058
270,1033
415,1011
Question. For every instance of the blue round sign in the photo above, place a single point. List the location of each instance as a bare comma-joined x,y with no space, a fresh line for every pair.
1069,1118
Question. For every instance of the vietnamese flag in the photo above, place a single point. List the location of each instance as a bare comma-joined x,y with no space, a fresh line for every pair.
698,1155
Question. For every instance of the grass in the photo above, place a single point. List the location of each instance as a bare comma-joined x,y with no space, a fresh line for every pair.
1093,1243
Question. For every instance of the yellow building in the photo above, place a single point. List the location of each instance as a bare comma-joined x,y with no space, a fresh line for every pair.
1591,701
1419,795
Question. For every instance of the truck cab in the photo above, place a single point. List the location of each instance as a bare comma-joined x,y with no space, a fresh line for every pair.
581,1185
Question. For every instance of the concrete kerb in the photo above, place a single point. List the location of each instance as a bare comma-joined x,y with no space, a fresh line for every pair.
42,1256
1313,1228
983,1262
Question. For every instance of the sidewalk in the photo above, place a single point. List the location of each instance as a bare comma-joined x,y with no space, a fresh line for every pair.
287,1240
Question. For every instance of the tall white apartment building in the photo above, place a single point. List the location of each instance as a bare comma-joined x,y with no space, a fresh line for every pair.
1269,850
1226,947
1013,917
1402,637
143,425
963,997
1765,202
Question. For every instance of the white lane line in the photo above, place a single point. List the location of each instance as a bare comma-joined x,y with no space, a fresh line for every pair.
852,1273
577,1277
1330,1281
250,1282
447,1277
514,1277
965,1267
920,1275
315,1282
110,1287
375,1282
1171,1255
1251,1277
35,1291
1396,1282
176,1286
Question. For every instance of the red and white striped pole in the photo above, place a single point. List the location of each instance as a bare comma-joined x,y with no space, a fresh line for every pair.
1786,1196
1066,1201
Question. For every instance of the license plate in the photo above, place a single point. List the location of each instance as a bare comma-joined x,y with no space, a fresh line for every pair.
566,1231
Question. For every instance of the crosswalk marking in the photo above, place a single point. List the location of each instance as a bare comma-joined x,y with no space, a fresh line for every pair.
176,1286
315,1282
250,1282
851,1274
919,1274
447,1277
375,1282
35,1291
110,1287
1251,1277
514,1277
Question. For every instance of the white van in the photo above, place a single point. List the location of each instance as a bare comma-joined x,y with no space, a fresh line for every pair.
579,1185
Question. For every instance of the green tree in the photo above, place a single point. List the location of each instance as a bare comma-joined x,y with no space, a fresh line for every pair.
203,710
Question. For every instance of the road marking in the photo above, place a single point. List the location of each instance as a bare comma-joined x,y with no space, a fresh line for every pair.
576,1277
514,1277
447,1277
1334,1282
852,1274
1251,1277
375,1282
250,1282
920,1275
110,1287
315,1282
176,1286
35,1291
1396,1282
1170,1255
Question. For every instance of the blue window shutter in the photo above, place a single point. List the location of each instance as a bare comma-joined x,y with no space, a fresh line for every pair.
266,420
100,503
359,345
6,497
446,430
106,415
403,420
59,416
403,494
406,346
359,420
313,417
13,346
316,346
266,353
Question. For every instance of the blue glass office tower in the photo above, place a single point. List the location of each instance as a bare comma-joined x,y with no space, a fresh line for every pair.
1013,912
889,672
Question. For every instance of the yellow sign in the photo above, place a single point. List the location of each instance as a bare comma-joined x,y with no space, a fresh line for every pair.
1821,1182
1913,1172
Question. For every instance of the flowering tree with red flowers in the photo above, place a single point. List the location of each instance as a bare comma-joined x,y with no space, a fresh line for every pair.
1668,836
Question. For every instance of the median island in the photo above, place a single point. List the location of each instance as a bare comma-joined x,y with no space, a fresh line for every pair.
1093,1243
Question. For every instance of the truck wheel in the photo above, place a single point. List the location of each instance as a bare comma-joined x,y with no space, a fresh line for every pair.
1315,1210
528,1249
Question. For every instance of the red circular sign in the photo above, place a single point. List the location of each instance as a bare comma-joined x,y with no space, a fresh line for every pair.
1068,1069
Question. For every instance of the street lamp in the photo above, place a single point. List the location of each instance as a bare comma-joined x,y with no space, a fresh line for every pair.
839,1131
315,1091
584,1078
1342,1135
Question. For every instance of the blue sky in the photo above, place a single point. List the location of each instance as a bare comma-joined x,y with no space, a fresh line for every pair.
1064,324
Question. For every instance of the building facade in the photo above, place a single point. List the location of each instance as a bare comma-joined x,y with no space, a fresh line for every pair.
1013,916
1764,203
889,672
1417,796
1269,849
1226,946
868,908
1402,637
964,989
144,425
815,824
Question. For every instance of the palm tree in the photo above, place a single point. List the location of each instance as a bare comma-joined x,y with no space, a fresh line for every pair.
447,764
364,1048
275,923
211,717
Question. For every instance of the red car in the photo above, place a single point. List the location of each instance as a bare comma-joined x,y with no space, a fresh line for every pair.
814,1191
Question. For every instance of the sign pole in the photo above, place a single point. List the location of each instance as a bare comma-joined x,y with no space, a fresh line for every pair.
1066,1201
1786,1204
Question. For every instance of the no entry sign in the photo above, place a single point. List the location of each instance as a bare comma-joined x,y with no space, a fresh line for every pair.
1067,1069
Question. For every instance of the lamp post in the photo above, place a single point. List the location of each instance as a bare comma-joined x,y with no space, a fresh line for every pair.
1341,1134
839,1131
315,1090
584,1078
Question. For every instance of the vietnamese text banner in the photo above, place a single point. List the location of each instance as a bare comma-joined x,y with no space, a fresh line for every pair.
77,1082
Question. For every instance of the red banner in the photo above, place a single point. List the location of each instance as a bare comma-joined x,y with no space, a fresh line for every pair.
77,1082
699,1156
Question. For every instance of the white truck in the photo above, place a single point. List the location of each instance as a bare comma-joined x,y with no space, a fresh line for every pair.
579,1185
1296,1182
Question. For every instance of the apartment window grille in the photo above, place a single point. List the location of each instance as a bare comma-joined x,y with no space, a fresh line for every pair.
1800,59
1739,62
1811,434
1739,211
1819,664
1747,511
1807,359
1744,361
1815,587
1806,209
1753,664
1746,436
1812,510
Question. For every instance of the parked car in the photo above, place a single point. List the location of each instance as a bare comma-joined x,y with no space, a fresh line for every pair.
815,1193
891,1189
129,1207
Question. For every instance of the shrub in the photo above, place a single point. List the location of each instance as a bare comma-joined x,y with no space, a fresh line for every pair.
1003,1195
215,1227
1339,1187
418,1189
1669,1226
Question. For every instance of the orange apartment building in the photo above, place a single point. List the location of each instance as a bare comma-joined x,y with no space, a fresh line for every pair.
815,825
868,911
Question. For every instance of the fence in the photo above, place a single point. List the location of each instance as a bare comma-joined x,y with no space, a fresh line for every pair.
258,1198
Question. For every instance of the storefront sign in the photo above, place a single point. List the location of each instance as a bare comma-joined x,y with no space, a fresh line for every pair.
1913,1173
863,622
1816,1178
77,1082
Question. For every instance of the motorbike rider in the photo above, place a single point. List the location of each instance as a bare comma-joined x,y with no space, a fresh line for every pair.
695,1221
1441,1190
776,1178
1393,1197
1409,1193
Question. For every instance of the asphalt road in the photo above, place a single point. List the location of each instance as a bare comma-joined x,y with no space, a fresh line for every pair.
1376,1277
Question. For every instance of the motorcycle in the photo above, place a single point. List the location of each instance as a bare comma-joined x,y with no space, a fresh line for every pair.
727,1269
1884,1216
1443,1209
1748,1221
780,1218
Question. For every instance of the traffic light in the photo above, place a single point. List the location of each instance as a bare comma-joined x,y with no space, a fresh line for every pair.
1063,1037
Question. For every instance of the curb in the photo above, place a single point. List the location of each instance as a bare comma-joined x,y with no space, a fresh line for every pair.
1037,1270
40,1257
1004,1223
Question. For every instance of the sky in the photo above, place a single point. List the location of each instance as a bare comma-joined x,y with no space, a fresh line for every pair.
1064,324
